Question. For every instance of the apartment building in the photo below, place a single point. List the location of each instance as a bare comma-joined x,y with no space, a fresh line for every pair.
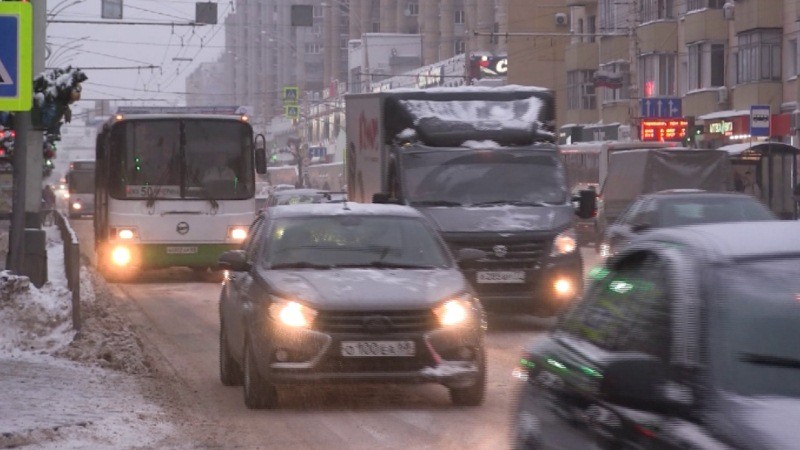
625,65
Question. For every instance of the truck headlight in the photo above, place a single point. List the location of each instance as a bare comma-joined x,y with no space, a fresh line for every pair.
565,243
292,314
455,311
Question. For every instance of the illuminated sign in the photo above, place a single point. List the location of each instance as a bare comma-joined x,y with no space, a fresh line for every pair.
487,67
723,127
662,130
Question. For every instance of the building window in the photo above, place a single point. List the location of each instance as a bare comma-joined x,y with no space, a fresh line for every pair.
613,15
580,90
376,27
694,5
413,9
317,12
657,10
706,65
314,48
792,59
460,16
460,46
657,74
759,56
620,69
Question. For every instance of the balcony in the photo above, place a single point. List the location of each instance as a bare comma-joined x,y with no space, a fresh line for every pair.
758,14
758,93
658,37
705,25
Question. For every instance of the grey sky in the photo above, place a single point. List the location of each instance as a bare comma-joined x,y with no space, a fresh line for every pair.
87,45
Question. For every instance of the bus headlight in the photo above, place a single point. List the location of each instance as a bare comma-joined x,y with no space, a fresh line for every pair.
76,205
126,234
121,256
291,313
565,243
237,233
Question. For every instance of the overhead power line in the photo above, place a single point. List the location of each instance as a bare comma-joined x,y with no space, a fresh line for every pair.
103,22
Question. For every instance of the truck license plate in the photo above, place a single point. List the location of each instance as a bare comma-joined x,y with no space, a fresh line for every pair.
501,277
359,349
181,250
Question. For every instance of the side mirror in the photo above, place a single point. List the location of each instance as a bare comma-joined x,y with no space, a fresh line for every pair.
643,382
233,260
587,204
261,154
470,254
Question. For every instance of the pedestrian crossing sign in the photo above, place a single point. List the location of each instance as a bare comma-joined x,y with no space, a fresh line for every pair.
16,61
291,111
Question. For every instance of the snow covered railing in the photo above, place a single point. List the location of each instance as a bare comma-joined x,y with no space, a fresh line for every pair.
72,265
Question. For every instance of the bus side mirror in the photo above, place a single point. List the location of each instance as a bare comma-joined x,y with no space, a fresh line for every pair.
587,204
260,144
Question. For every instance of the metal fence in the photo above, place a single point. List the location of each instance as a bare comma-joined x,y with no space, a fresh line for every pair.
72,265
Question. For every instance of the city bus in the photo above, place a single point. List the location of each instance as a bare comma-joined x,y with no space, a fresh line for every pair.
80,187
156,205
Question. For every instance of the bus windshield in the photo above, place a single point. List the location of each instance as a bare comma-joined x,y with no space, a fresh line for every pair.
182,158
80,181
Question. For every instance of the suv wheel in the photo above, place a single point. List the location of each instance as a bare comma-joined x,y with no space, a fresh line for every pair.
473,395
258,393
230,372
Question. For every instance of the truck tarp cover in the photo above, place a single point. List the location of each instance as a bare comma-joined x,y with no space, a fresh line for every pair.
635,172
448,119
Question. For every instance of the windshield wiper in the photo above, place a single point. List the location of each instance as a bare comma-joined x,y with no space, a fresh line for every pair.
509,202
435,203
301,265
390,265
770,360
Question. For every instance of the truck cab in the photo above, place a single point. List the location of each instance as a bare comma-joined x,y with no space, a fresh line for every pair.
481,165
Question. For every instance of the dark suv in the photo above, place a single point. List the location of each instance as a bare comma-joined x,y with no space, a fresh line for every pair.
688,338
347,293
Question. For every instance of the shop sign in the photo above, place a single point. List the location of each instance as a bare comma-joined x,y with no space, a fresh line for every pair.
725,127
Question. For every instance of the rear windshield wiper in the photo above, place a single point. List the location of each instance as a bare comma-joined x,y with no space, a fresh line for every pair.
301,265
435,203
770,360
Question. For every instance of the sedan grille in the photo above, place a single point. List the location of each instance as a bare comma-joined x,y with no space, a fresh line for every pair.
375,322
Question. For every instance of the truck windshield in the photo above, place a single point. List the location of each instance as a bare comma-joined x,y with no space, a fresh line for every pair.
483,177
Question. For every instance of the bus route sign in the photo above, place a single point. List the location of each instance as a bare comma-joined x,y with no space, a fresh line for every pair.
16,64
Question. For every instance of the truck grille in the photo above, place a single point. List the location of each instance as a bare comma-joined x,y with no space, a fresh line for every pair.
375,322
517,255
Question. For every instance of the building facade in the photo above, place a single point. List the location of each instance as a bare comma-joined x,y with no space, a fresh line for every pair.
651,63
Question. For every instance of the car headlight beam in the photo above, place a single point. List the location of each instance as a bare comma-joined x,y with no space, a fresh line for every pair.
292,314
237,233
455,311
565,243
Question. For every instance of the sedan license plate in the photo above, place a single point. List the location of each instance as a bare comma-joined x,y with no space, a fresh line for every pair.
501,277
360,349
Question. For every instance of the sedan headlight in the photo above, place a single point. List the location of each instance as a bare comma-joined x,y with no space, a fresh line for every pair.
565,243
292,314
455,311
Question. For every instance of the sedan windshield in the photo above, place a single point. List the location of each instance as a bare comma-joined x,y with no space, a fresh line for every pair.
354,241
690,210
482,178
755,337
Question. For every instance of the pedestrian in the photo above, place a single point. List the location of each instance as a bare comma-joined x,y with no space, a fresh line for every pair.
48,204
750,185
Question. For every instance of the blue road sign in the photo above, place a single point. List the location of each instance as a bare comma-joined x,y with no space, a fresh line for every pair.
759,120
661,107
16,67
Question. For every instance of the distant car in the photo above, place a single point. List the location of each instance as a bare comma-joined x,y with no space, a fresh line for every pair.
303,196
686,339
681,207
348,293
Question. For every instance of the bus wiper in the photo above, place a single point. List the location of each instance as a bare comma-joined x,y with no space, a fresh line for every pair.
301,265
770,360
435,203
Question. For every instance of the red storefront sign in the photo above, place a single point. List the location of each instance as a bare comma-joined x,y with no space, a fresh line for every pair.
663,130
